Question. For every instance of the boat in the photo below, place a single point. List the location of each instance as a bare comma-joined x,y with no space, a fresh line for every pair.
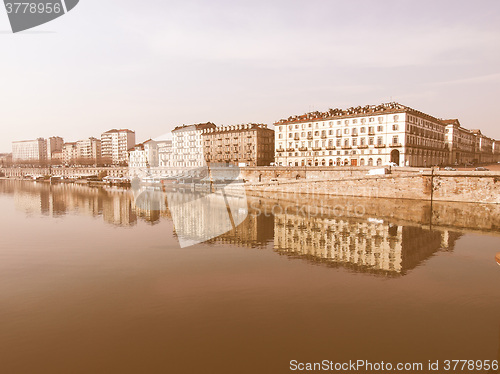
497,257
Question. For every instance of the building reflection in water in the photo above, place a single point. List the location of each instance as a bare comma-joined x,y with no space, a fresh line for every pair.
362,244
369,245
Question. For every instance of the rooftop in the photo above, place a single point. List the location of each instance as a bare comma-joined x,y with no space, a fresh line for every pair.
384,108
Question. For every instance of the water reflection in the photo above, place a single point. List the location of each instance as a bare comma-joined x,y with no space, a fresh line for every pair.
360,241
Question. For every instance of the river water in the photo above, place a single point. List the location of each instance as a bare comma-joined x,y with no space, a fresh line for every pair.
92,283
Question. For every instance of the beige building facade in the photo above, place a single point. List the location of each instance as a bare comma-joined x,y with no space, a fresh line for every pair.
245,145
370,135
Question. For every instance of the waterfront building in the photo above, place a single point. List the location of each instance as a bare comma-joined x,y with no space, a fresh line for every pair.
88,151
53,146
460,141
5,159
246,145
483,148
115,145
69,153
187,146
29,150
165,153
496,150
144,155
370,135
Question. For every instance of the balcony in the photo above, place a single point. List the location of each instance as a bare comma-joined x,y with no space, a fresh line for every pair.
309,137
302,149
371,132
354,134
296,138
280,150
338,135
290,149
395,145
362,146
330,148
379,145
323,136
346,147
317,148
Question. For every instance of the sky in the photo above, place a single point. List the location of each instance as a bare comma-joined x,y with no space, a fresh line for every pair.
152,65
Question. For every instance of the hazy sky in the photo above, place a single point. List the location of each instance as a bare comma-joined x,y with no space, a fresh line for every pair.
152,65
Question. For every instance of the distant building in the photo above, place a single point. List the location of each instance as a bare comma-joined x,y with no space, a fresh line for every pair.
484,147
69,153
54,145
165,153
249,144
187,146
5,159
370,135
29,150
496,150
115,145
144,155
461,142
89,151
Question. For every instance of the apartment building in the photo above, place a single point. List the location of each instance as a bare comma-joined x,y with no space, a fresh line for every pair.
483,147
54,147
187,146
69,153
370,135
144,155
115,145
461,142
29,150
89,151
248,144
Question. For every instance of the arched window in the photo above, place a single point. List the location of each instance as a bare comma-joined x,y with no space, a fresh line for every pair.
379,161
323,162
330,163
362,162
370,162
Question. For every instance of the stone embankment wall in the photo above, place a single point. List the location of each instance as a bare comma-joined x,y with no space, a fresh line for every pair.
476,187
404,183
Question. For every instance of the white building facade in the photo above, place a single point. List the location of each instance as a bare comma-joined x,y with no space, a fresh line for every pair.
460,141
29,150
362,136
115,145
89,150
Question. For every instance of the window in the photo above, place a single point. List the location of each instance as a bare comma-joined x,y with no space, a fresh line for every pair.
362,130
396,117
346,143
380,128
395,127
354,120
379,161
362,141
354,141
370,141
346,122
338,142
380,140
395,139
346,131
